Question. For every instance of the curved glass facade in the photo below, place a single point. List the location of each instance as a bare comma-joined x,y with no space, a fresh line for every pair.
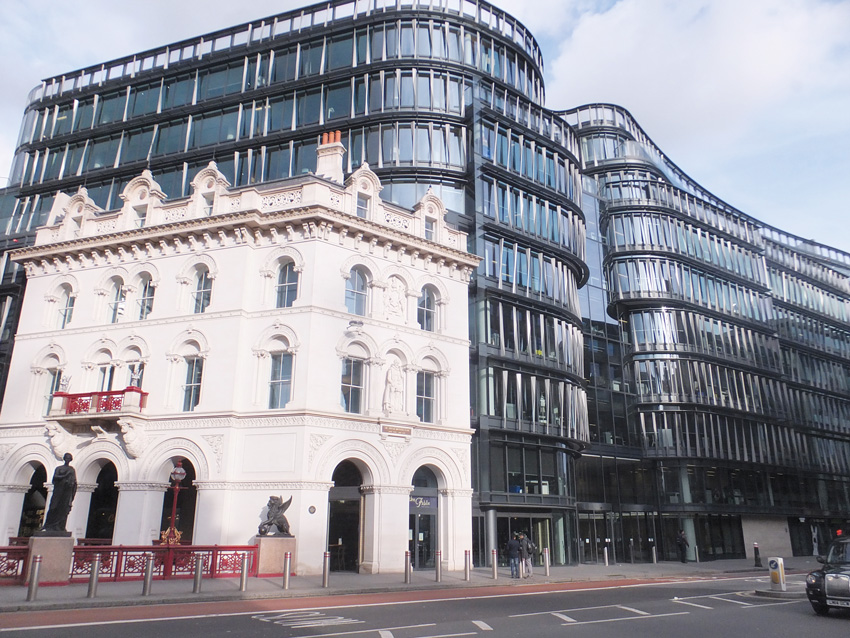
734,340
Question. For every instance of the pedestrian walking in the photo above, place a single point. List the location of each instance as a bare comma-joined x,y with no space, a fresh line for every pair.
513,550
526,554
682,544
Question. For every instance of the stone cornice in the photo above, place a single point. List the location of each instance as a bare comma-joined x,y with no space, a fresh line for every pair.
141,486
16,489
274,486
386,489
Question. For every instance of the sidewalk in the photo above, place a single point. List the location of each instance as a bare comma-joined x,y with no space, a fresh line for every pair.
110,594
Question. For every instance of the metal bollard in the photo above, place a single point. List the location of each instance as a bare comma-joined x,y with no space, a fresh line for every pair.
494,558
407,567
243,577
546,560
326,569
756,555
521,567
632,550
696,553
94,576
654,555
146,587
438,566
287,568
199,574
467,564
35,572
605,555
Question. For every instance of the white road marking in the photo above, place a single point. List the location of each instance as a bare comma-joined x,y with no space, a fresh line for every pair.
469,633
630,618
685,602
385,634
483,626
563,617
634,611
727,600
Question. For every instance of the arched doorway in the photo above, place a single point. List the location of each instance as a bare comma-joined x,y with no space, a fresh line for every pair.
185,510
32,513
104,502
344,517
422,528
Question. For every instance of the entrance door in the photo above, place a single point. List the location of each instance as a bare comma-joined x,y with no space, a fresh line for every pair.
422,522
422,540
344,518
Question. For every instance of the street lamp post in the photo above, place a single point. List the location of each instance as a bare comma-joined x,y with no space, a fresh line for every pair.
171,536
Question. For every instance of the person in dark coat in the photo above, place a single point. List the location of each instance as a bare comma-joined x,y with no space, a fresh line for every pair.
513,549
682,544
526,554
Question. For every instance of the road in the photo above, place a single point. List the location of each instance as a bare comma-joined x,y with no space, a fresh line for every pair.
709,607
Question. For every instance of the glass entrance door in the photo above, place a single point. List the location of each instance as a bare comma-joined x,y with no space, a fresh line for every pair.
422,540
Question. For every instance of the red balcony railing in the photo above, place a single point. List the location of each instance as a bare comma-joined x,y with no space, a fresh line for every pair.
127,400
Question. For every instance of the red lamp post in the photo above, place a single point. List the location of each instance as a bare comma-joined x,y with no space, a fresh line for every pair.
171,536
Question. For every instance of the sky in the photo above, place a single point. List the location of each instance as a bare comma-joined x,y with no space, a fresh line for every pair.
750,99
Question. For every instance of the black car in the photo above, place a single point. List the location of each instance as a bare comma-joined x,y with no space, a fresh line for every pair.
829,586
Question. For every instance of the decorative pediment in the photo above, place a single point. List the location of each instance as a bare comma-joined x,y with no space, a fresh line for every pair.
209,179
432,206
365,181
142,190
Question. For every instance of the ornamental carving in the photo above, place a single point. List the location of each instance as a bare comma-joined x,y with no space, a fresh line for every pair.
397,221
279,200
336,200
176,214
135,437
215,442
106,227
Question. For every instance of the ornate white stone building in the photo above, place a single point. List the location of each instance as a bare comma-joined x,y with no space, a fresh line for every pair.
298,338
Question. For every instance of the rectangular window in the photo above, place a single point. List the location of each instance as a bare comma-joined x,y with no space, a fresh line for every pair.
425,396
280,382
351,385
192,387
362,205
203,292
146,299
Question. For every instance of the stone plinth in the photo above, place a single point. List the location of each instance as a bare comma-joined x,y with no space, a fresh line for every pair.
270,554
56,555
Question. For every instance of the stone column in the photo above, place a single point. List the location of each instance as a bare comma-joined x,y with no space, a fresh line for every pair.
139,513
455,512
386,509
11,508
78,519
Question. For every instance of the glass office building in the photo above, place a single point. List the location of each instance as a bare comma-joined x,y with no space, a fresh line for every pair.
643,357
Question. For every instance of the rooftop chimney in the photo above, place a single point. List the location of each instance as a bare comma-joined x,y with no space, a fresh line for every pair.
329,157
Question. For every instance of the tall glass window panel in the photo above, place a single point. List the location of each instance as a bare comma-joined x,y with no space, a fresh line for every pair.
116,305
283,69
66,306
286,289
85,115
192,387
308,105
311,59
427,310
146,294
110,108
144,100
351,385
102,153
425,396
203,291
356,292
340,52
337,100
105,377
280,381
137,145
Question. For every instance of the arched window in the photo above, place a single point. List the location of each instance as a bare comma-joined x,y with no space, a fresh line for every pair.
286,289
146,293
356,291
117,296
66,305
426,310
203,290
280,381
54,383
105,371
352,385
192,387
